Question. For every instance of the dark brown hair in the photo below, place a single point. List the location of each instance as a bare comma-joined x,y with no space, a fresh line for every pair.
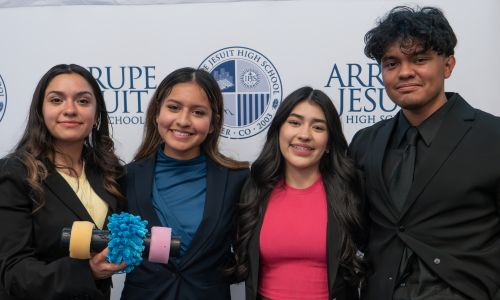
36,147
152,138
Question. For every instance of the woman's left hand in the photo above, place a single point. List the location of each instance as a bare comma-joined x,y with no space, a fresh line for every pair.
101,268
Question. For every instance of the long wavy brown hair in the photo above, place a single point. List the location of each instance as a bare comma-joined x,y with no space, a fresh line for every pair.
36,148
152,139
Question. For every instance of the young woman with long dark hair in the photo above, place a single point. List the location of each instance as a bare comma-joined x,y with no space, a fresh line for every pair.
300,213
62,170
179,179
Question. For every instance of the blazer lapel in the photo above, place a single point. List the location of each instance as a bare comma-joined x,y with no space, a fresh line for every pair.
97,183
379,148
215,196
61,189
454,127
143,183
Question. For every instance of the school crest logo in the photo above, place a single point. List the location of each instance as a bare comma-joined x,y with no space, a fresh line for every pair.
3,98
251,87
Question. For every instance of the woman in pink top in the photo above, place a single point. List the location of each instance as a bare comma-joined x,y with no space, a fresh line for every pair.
300,217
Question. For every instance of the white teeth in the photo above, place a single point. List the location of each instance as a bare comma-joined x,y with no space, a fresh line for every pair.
179,133
301,147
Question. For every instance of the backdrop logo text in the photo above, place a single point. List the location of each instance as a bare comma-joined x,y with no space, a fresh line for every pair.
359,93
126,90
251,87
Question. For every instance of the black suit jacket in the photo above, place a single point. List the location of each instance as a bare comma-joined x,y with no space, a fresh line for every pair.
451,216
200,275
338,288
33,265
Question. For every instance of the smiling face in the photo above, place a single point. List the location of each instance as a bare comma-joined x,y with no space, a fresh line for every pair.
303,137
184,120
415,80
69,109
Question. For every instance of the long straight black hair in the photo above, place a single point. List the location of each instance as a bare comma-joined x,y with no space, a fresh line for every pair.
341,180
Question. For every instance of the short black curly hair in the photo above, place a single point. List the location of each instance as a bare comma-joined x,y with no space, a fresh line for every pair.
424,27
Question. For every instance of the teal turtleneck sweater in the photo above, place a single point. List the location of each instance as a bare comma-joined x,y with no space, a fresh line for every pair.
179,189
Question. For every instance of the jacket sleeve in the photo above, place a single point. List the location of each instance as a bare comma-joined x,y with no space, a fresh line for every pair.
22,274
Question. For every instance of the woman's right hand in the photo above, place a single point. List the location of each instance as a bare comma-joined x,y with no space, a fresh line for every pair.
101,268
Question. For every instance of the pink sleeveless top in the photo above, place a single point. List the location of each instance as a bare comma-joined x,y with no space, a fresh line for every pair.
293,244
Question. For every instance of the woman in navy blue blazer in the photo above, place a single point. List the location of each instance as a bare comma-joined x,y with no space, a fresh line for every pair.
179,179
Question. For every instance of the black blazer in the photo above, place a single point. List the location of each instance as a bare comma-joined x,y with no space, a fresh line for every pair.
338,288
451,216
200,275
33,265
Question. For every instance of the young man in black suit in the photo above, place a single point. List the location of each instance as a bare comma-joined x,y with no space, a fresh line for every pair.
432,172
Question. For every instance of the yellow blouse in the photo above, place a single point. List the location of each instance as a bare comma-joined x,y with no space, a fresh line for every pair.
96,207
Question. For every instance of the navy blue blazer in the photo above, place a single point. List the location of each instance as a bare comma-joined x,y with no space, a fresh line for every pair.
200,274
451,217
33,265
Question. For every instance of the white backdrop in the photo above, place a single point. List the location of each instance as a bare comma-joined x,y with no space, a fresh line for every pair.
317,43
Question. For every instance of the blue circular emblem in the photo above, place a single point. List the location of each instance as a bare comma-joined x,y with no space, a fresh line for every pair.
251,87
3,98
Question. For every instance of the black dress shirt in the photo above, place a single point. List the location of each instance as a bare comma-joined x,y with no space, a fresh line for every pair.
415,280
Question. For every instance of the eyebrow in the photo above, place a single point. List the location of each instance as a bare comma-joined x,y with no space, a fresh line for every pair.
385,58
302,118
415,53
424,51
180,103
59,93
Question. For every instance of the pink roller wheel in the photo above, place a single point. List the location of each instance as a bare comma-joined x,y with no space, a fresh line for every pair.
159,249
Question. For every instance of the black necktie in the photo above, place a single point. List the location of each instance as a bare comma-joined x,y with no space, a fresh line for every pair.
403,175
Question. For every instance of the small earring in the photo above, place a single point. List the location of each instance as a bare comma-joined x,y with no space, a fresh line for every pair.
327,151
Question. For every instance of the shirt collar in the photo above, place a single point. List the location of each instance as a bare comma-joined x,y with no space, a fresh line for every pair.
429,127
